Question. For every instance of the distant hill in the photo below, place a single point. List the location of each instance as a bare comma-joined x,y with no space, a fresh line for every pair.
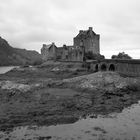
16,56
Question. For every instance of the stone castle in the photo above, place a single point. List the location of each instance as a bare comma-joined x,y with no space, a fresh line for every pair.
88,41
85,41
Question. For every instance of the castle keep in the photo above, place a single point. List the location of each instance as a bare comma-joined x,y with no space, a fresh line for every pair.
85,41
89,39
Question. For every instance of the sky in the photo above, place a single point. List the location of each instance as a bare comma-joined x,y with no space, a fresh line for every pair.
30,23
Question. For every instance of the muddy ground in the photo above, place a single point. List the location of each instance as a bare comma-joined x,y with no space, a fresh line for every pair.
50,96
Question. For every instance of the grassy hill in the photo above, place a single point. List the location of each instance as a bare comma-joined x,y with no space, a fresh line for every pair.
16,56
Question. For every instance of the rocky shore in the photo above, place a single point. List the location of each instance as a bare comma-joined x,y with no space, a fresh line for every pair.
44,96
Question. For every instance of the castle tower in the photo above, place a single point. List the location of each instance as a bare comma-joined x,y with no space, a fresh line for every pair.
89,39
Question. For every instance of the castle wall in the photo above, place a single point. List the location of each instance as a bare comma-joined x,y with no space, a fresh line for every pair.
85,41
92,44
49,52
52,52
44,52
76,54
89,40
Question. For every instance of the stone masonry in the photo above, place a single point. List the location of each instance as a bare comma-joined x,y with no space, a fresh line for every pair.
85,41
89,39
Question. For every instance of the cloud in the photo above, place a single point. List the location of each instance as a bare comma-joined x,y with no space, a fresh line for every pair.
29,24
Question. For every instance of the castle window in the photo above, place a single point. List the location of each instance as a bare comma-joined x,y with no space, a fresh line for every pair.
76,53
66,56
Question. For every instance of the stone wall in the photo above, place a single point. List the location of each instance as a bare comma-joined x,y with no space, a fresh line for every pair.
44,52
89,39
85,41
125,67
128,68
49,52
76,55
73,53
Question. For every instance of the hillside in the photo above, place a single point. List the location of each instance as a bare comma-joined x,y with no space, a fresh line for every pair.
16,56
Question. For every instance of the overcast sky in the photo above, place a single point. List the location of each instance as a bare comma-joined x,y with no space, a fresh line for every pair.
30,23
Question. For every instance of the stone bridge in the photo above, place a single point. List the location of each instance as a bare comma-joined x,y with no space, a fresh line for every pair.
125,67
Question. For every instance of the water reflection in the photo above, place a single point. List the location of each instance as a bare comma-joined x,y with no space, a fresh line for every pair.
125,125
6,69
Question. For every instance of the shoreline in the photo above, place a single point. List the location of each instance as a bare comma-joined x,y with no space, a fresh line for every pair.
43,97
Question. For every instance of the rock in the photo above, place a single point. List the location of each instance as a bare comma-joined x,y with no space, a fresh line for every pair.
83,103
9,85
45,138
55,69
106,81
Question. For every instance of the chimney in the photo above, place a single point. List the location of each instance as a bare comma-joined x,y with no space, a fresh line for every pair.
90,28
53,43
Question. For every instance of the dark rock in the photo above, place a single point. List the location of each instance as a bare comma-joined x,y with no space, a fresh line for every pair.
45,138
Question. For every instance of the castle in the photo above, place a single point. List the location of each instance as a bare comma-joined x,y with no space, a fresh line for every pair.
86,41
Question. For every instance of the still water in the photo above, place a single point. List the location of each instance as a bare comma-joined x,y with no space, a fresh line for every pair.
5,69
115,126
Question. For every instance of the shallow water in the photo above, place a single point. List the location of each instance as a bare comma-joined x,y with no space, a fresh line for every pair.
116,126
5,69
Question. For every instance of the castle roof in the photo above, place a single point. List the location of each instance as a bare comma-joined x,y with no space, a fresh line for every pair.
86,33
48,46
60,49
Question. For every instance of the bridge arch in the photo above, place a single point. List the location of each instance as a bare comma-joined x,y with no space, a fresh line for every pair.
96,68
112,67
103,67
